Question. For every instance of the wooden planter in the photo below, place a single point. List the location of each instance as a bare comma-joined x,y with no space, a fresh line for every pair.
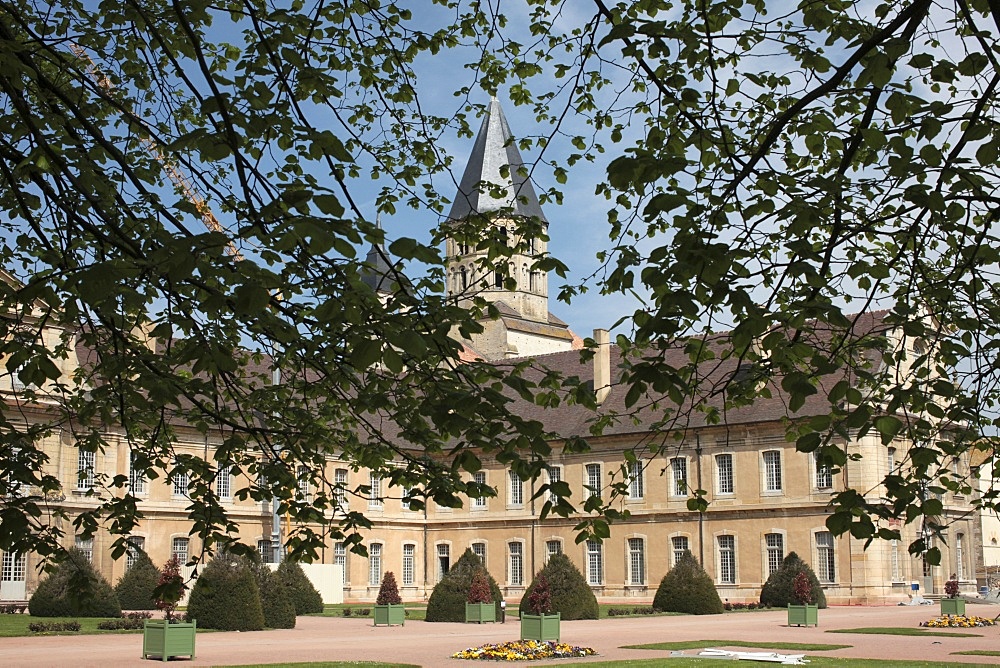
480,612
803,615
952,606
540,627
390,615
167,640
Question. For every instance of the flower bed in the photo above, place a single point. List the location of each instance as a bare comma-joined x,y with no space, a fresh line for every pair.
524,650
957,622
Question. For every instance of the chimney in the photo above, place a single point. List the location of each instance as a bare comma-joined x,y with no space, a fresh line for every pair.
602,364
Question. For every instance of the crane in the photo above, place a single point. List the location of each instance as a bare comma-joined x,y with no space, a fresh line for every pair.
176,176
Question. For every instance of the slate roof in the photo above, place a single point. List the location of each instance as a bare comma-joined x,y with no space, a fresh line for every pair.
494,148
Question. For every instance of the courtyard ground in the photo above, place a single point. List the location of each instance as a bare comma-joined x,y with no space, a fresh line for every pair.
430,645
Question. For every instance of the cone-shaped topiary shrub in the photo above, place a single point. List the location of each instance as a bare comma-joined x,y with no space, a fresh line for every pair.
388,592
571,596
687,588
226,596
275,598
447,601
135,589
74,589
304,596
779,589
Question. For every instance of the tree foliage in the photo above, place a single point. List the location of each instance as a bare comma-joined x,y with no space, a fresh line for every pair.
780,588
388,591
568,591
771,169
74,589
687,588
135,589
448,599
226,596
304,596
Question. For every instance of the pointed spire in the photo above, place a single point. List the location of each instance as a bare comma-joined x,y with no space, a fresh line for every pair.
377,274
493,150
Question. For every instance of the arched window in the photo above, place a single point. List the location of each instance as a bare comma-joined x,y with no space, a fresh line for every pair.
465,278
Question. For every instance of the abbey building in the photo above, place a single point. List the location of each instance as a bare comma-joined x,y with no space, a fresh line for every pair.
765,498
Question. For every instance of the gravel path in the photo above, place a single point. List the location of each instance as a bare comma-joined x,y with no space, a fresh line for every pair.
430,645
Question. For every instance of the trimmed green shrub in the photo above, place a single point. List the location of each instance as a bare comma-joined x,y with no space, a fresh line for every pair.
447,601
779,590
275,598
687,588
304,596
74,589
135,589
226,596
571,596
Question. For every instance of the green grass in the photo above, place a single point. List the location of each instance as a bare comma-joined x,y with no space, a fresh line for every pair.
980,652
12,626
415,612
897,631
699,644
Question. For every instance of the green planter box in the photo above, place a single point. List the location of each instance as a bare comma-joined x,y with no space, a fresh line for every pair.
952,606
390,615
803,615
540,627
166,641
480,612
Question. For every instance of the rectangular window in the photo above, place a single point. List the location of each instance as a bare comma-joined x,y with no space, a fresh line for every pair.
302,480
960,556
266,551
479,549
340,557
772,471
680,545
594,482
895,574
635,490
179,549
826,570
775,543
444,560
595,563
374,492
724,471
516,497
727,559
890,454
86,546
375,564
480,479
409,557
136,476
340,489
180,479
637,561
679,470
136,544
555,475
824,476
553,547
13,569
516,564
85,470
224,482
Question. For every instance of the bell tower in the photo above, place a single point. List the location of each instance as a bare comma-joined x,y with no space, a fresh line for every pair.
495,197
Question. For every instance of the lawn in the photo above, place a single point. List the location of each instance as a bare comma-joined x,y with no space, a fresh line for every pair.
904,631
814,662
17,625
793,647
